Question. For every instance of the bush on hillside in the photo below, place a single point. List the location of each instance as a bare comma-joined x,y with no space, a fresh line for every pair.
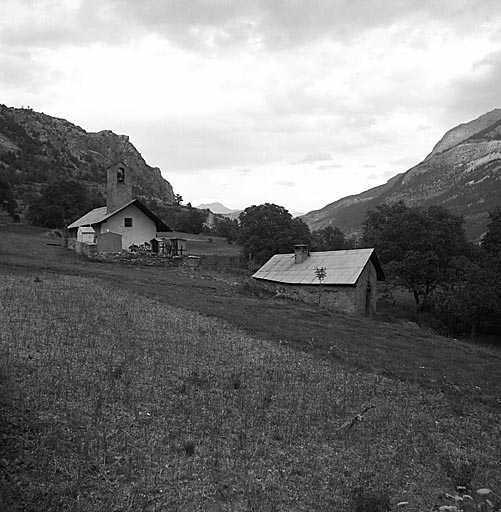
61,203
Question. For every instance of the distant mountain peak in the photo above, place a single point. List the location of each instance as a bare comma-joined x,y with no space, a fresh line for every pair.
464,131
216,208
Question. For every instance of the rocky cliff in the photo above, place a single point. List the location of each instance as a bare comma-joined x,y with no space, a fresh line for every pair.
462,173
36,148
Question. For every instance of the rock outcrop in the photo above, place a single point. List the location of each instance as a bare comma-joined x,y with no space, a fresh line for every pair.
462,173
36,148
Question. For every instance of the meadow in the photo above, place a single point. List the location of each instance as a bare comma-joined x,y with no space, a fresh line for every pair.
114,401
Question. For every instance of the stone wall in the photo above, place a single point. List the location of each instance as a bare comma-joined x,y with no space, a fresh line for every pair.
368,277
144,259
334,298
89,250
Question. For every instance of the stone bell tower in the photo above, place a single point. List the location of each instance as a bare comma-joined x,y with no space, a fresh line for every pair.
118,187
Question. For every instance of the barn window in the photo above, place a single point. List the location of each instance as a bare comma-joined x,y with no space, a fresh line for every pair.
128,222
120,175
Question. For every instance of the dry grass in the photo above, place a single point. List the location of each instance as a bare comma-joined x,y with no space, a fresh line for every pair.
113,401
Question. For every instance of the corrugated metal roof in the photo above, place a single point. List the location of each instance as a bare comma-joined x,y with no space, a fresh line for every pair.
342,267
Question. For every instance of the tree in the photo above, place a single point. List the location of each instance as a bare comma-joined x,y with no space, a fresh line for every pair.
328,239
7,201
470,297
491,242
320,274
190,220
226,228
270,229
61,203
417,245
178,199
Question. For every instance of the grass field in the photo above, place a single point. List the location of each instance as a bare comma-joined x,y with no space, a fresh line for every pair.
206,244
129,389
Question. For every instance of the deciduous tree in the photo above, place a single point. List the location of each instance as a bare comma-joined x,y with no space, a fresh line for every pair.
470,297
269,229
7,201
328,239
61,203
227,228
491,241
416,244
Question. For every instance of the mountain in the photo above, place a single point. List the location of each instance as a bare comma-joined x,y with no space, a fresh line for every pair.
217,208
36,148
462,173
227,212
220,210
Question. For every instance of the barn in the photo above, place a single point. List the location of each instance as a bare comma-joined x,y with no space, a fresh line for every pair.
350,282
123,216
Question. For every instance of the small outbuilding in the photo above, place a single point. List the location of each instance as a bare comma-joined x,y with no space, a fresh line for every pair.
86,235
169,246
109,242
349,281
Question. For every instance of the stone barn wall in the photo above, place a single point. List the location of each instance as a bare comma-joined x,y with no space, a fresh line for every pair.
334,298
365,302
349,299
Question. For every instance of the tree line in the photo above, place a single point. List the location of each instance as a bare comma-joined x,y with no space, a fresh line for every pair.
456,284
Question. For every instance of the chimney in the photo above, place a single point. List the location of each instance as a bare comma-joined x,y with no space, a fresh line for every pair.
301,253
118,187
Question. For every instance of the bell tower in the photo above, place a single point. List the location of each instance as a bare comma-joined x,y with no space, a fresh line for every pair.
118,187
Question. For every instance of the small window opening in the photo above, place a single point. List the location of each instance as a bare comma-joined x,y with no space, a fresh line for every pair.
120,175
128,222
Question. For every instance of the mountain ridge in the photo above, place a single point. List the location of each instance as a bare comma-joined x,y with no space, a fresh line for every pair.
462,173
217,208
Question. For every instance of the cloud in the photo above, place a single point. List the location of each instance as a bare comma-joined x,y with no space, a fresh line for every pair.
311,158
476,92
280,24
403,163
53,24
329,166
285,183
21,73
220,25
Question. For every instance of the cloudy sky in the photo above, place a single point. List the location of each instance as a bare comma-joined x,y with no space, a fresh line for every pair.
295,102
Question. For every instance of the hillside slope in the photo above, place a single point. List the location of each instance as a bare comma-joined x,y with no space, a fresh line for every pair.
36,148
462,173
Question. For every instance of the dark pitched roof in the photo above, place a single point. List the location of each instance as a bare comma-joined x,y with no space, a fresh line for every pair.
342,267
98,215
